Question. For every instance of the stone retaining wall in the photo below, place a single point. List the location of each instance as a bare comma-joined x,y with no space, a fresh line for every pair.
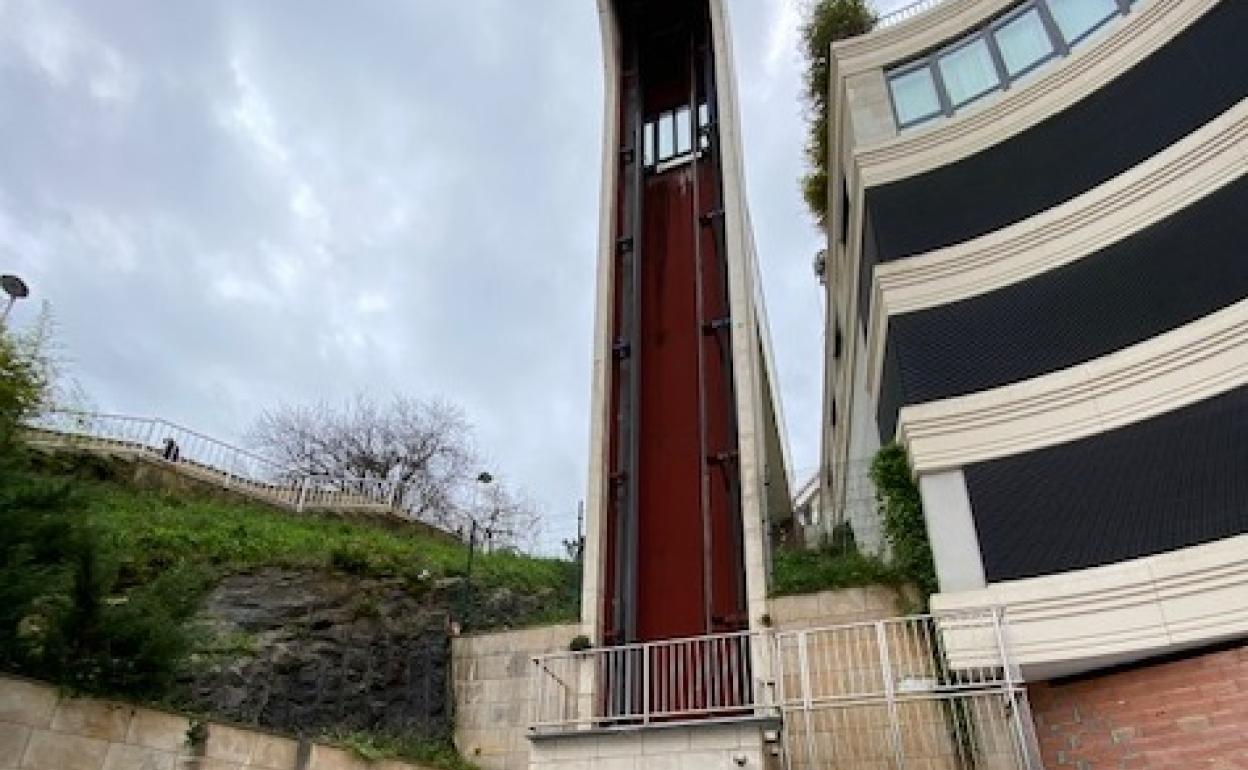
40,729
493,699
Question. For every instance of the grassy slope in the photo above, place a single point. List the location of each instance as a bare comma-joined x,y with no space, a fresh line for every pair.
147,531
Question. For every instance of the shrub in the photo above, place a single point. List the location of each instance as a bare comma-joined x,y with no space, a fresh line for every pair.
904,525
827,22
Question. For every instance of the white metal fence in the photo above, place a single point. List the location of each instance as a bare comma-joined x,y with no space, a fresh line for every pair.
213,460
701,678
938,692
927,692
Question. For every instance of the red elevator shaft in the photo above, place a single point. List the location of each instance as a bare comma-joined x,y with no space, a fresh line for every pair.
674,563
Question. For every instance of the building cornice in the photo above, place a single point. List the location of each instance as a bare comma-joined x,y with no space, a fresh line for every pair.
889,45
1199,360
1088,69
1091,618
1200,164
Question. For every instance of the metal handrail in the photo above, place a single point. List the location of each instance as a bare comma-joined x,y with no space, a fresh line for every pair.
906,12
231,466
669,681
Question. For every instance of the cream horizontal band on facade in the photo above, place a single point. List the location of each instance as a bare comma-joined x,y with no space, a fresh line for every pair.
1198,165
1082,619
1199,360
1089,68
889,45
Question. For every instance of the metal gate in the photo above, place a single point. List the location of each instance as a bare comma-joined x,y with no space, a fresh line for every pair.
928,692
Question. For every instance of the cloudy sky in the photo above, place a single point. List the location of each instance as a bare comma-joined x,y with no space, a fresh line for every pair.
238,203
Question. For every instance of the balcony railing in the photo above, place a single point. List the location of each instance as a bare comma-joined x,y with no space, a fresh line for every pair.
636,685
906,12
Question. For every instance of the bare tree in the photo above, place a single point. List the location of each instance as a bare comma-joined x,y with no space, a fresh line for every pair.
425,446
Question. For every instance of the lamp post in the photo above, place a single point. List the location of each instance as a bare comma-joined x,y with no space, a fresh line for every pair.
16,289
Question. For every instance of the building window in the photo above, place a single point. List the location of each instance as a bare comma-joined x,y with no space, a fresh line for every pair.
670,136
994,56
914,94
1078,18
969,72
1024,42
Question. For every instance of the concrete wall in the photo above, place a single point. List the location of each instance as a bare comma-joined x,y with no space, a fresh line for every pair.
1179,715
40,729
831,608
697,747
493,700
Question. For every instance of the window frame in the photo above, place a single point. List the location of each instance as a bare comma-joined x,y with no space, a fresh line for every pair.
978,36
1057,45
987,32
941,98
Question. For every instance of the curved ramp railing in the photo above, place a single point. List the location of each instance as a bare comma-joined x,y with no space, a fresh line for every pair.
212,460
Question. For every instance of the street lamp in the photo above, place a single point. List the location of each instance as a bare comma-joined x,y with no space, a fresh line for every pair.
16,289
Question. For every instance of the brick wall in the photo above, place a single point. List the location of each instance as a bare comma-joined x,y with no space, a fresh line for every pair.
1184,714
40,729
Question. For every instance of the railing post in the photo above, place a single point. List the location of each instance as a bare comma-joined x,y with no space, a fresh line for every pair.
890,695
1016,715
645,683
803,666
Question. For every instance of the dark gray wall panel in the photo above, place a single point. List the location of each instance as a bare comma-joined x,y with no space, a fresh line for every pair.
1167,275
1173,481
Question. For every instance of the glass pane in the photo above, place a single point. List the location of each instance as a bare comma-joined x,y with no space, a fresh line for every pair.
1076,18
1023,42
704,121
667,136
648,142
968,72
684,131
914,93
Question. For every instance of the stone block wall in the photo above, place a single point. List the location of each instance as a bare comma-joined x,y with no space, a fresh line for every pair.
727,746
40,729
1183,714
831,608
493,697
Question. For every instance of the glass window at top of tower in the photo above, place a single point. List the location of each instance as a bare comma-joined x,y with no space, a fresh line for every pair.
1024,42
667,136
969,72
1078,18
914,94
684,131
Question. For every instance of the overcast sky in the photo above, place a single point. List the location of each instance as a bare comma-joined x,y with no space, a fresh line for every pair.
237,203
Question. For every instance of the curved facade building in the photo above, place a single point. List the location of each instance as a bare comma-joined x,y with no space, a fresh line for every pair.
1037,282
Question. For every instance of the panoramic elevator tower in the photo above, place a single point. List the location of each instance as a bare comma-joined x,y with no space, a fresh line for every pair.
687,456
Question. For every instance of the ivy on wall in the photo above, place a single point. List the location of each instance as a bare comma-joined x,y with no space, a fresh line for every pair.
904,525
826,22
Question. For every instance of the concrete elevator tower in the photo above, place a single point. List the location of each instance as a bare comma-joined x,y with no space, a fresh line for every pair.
687,473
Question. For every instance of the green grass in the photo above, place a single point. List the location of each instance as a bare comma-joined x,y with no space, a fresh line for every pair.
803,572
148,532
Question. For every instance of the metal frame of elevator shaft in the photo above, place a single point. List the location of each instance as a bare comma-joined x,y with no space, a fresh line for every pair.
626,347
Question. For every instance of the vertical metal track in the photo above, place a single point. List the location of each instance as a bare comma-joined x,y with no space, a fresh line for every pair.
715,219
704,449
629,250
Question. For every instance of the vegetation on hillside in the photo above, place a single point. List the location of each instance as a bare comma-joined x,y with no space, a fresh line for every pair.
827,21
100,581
